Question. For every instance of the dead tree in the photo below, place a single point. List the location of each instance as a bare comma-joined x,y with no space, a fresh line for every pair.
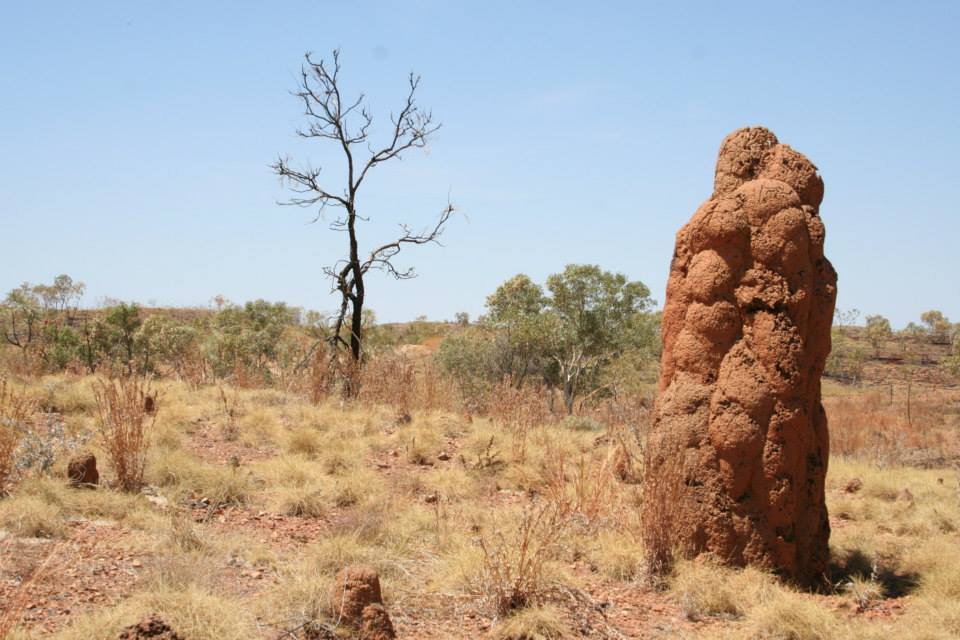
347,123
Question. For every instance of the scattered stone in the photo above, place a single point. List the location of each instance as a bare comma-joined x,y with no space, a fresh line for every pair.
739,440
150,627
82,471
443,455
853,486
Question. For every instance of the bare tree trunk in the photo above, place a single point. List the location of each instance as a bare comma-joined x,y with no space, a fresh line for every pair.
347,124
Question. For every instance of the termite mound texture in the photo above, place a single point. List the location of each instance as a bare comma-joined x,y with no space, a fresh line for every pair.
739,423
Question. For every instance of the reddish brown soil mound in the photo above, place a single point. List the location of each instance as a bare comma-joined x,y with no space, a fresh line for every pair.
357,602
82,471
149,627
746,332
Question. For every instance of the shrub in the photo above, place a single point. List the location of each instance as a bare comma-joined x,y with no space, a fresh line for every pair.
846,360
513,573
124,427
43,442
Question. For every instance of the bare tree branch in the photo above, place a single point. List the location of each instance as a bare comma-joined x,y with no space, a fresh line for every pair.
348,124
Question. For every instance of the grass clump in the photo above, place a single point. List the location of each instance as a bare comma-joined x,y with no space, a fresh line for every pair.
706,589
534,623
30,516
787,615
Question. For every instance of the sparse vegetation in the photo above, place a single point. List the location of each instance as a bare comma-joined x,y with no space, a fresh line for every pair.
124,421
457,476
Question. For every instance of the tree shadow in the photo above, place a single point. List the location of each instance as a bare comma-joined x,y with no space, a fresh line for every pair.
857,564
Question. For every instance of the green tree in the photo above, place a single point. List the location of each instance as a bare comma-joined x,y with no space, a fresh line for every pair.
117,334
37,320
878,331
469,357
938,326
593,316
586,319
22,319
162,340
248,336
518,348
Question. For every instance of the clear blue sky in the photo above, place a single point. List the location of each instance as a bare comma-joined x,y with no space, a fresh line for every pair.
136,139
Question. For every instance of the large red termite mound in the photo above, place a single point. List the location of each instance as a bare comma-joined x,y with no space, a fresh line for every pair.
738,451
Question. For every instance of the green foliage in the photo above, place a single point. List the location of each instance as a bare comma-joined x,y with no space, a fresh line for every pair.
470,358
36,319
878,331
593,317
939,327
952,362
846,360
248,336
162,339
117,334
586,322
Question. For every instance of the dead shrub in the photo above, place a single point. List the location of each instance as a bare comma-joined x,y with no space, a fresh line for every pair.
518,409
389,379
586,485
665,515
513,570
232,408
124,426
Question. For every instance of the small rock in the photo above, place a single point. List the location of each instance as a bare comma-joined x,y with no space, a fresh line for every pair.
443,455
431,498
854,485
82,471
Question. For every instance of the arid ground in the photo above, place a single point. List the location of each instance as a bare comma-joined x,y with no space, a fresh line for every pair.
256,497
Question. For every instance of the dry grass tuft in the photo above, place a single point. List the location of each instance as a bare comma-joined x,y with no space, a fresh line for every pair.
514,573
16,407
705,589
533,623
787,615
32,517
